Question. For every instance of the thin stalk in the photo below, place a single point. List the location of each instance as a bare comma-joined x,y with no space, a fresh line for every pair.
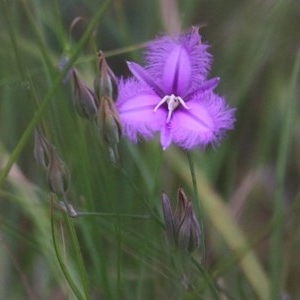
197,203
75,245
114,215
283,152
208,279
63,267
56,84
119,259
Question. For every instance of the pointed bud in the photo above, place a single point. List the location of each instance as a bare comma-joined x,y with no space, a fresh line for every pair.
85,101
195,238
109,121
57,174
183,229
187,226
169,220
42,148
182,203
106,83
189,231
109,125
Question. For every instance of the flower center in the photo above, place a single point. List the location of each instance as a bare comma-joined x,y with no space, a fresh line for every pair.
173,102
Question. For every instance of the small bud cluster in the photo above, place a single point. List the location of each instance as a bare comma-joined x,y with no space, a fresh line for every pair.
99,105
57,172
108,121
182,228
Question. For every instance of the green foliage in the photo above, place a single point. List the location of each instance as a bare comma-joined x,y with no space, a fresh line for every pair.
245,192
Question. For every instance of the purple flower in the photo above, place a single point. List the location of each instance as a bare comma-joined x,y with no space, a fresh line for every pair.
172,95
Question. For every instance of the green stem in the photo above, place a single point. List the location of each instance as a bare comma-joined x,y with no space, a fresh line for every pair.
119,259
197,203
114,215
208,279
283,152
78,254
56,84
63,267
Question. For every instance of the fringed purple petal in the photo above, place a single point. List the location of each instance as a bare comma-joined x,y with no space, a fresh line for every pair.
166,136
136,105
206,86
181,63
204,123
177,72
141,75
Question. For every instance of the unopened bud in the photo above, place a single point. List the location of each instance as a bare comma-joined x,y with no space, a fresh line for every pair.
109,125
109,121
182,203
57,174
105,84
169,220
183,229
85,101
189,231
187,227
42,148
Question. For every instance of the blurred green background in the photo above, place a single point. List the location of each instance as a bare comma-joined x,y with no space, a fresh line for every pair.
124,254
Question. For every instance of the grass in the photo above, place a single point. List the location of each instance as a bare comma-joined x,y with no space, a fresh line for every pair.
246,189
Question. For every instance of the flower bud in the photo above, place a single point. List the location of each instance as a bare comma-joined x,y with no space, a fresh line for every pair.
109,121
182,203
189,231
57,174
106,83
109,125
41,150
169,220
183,229
85,101
186,224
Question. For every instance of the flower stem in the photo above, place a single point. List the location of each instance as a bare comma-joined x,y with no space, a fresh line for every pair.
197,203
62,264
114,215
78,256
209,280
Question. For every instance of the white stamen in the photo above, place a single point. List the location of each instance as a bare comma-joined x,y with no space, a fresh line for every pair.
182,103
161,102
172,102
